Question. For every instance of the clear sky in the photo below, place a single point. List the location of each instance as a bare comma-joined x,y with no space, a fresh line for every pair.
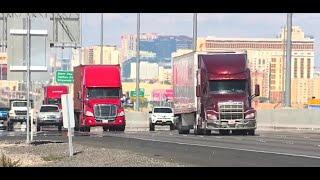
262,25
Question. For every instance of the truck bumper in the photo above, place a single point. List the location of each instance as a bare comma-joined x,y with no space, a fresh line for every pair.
246,124
118,121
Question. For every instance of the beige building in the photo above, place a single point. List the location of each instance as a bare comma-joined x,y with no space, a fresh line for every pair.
165,74
148,71
267,54
91,55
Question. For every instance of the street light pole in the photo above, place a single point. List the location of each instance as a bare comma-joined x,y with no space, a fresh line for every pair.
138,63
101,40
80,50
195,24
28,75
288,62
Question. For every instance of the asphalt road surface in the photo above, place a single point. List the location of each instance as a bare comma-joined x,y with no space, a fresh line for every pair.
267,148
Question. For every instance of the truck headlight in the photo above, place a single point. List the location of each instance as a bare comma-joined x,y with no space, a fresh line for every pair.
212,117
11,113
250,116
41,116
88,113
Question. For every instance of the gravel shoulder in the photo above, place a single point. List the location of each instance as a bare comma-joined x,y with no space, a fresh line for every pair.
56,154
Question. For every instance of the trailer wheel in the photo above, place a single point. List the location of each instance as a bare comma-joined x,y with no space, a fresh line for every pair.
198,131
60,128
184,131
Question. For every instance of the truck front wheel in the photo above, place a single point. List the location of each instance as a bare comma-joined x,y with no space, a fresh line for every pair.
151,127
224,132
172,126
121,128
38,128
251,132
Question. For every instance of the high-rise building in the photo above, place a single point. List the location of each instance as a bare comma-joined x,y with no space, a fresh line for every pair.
267,55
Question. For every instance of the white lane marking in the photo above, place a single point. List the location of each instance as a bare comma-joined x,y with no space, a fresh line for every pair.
184,135
238,149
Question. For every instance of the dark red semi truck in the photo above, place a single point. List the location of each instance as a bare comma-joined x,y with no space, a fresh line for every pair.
97,98
52,94
212,91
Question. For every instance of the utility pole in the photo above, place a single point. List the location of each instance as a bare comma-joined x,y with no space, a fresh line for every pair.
195,24
288,62
138,63
101,41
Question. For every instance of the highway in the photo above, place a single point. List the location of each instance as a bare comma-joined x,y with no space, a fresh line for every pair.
265,149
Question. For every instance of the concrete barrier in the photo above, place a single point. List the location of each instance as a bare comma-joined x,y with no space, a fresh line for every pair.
297,119
137,121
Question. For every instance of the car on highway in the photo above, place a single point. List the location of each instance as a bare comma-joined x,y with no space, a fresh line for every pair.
161,116
49,115
4,114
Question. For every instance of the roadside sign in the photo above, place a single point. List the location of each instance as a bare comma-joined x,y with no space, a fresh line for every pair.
67,110
64,77
68,117
134,93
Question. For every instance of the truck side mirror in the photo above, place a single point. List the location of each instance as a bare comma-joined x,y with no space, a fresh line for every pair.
257,90
198,91
79,95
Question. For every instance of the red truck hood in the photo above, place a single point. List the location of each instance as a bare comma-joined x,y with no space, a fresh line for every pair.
115,101
214,99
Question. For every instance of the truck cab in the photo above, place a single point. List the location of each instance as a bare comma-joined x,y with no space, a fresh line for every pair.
213,92
97,98
18,112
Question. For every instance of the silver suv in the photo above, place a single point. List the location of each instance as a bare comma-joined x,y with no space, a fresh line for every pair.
49,115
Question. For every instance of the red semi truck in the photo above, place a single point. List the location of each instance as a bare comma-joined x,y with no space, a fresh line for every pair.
212,91
52,94
97,98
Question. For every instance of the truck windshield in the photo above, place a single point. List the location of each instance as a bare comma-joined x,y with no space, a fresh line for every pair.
54,101
227,86
19,104
103,92
49,109
162,110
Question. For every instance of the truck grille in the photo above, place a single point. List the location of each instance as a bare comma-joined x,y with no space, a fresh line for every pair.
231,110
20,113
105,111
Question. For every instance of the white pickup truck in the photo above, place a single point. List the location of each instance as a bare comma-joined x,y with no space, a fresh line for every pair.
161,116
